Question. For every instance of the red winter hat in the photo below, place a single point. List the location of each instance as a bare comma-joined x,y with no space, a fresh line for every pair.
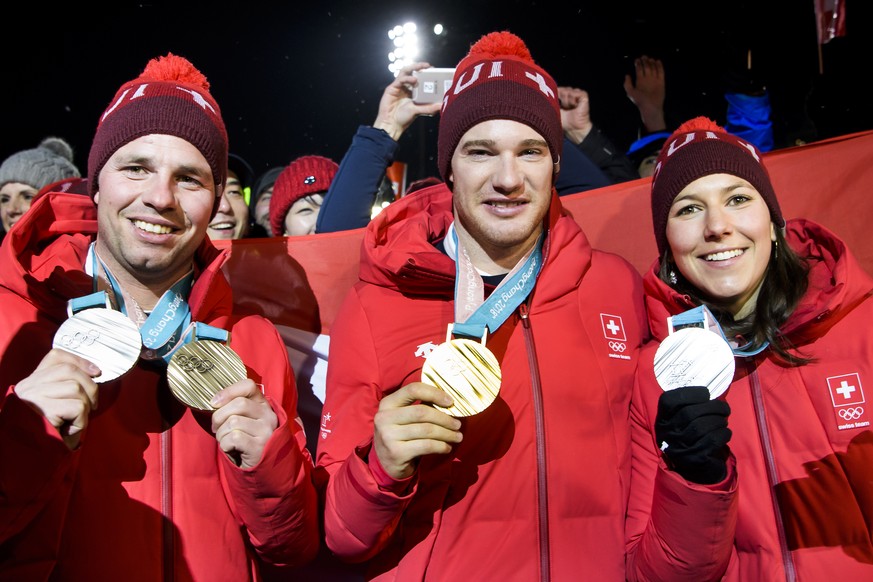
498,79
699,147
304,176
170,97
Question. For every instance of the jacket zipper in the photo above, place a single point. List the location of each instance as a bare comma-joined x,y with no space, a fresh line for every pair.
542,484
772,475
167,504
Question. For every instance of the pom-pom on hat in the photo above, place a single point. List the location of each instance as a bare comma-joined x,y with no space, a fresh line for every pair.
49,162
699,147
170,97
304,176
498,79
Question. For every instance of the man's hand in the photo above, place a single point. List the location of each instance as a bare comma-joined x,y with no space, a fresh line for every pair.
407,427
575,113
649,92
243,422
62,389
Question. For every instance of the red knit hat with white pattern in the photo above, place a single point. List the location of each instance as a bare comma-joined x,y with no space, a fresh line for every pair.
699,147
499,79
304,176
170,97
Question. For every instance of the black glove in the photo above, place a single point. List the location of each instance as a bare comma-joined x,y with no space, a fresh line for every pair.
694,430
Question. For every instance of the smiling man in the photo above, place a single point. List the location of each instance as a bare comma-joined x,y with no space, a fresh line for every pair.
499,449
119,475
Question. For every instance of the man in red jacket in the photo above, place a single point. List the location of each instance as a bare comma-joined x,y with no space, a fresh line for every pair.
499,449
150,434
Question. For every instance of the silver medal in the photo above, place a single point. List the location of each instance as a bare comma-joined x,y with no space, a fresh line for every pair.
694,356
105,337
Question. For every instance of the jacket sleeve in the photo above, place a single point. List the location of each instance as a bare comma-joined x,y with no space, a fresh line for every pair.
34,469
276,500
349,200
359,517
676,530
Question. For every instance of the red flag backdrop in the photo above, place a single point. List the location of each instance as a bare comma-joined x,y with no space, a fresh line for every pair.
300,281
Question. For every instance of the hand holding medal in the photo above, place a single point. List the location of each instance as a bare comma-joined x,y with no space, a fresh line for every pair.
467,370
103,336
695,356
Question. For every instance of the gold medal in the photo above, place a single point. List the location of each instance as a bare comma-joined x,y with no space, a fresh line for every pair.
200,369
105,337
468,371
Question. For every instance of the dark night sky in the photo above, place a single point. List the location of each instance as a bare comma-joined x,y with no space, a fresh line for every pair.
298,79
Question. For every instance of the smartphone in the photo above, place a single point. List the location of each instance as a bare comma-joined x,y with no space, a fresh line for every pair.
432,84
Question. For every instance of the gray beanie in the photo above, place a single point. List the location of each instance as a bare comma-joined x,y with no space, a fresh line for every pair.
45,164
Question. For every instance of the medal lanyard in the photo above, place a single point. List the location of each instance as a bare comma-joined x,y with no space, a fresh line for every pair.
702,317
169,325
474,314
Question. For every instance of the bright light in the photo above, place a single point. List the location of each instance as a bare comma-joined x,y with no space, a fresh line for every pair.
406,49
405,45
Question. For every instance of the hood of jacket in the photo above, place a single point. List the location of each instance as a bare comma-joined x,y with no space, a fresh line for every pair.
837,283
399,252
42,259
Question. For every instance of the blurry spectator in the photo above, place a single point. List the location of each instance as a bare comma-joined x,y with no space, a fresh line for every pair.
24,173
231,220
259,203
298,194
360,178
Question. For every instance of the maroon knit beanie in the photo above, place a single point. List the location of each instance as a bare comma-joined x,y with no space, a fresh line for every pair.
699,147
498,79
304,176
170,97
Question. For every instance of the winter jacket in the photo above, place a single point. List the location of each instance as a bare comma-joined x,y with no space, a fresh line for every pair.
537,489
147,495
801,434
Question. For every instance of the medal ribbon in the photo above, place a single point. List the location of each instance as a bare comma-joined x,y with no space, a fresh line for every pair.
702,317
169,325
474,314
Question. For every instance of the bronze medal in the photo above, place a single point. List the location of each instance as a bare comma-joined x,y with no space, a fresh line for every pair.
468,371
694,356
200,369
105,337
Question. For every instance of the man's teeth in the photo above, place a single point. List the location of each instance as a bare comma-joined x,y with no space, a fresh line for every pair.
723,256
153,228
505,204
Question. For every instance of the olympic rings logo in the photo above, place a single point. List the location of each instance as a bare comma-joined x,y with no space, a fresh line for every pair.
617,346
851,413
80,339
194,364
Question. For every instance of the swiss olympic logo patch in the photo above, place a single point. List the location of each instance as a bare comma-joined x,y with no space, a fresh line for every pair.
613,331
847,396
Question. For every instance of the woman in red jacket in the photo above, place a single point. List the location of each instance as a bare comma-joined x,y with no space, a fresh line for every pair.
794,307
